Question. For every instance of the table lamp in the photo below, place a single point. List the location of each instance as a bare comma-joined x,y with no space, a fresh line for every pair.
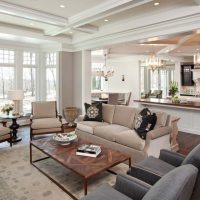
16,96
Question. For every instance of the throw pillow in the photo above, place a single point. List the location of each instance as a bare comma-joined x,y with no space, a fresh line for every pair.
145,122
93,112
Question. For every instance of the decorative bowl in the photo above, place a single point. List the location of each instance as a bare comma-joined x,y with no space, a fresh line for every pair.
65,138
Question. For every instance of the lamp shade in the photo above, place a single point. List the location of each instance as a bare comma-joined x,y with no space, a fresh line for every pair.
15,95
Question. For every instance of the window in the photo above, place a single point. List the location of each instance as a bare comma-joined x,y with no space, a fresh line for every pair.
96,80
51,59
51,83
7,56
29,87
7,74
51,63
157,80
29,80
6,83
28,58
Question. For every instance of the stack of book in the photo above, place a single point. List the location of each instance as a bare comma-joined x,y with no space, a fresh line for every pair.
88,150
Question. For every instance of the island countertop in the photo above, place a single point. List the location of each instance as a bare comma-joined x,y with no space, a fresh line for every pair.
193,105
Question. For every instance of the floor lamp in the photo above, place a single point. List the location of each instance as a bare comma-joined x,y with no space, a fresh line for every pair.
16,96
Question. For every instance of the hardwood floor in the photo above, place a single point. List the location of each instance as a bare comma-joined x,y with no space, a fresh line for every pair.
186,141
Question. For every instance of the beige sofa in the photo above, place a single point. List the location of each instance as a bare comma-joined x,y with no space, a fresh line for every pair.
117,132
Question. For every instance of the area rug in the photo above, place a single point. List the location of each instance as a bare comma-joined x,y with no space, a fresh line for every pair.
19,180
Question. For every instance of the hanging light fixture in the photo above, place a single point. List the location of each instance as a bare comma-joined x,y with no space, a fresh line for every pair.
153,62
197,60
106,71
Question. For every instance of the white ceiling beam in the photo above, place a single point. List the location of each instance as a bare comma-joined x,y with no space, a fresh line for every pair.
170,48
27,32
101,11
87,28
30,14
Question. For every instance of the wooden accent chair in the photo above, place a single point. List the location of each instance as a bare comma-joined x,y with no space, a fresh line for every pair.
45,119
5,134
126,101
113,98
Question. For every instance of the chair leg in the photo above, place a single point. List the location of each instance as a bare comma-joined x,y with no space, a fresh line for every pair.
31,136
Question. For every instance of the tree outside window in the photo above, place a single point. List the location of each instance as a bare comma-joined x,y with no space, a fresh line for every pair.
51,85
29,80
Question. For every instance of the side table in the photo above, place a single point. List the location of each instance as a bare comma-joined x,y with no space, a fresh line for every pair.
14,126
67,128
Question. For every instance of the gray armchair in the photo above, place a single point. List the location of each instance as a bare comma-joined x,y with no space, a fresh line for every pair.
44,118
127,187
152,169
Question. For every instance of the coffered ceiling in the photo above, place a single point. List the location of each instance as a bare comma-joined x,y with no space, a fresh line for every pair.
91,24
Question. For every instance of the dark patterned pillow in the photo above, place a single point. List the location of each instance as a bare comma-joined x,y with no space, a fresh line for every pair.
93,112
145,122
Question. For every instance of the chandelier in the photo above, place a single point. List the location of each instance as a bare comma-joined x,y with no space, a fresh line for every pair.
153,62
197,60
106,71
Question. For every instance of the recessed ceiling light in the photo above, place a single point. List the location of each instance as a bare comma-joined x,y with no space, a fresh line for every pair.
70,32
62,6
32,24
106,20
156,4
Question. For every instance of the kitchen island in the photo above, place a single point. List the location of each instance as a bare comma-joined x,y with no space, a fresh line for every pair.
187,111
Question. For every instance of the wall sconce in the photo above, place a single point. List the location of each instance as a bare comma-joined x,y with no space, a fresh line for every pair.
123,78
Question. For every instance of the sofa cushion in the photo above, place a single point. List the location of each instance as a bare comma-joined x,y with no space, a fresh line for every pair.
4,130
105,192
44,109
109,132
88,126
161,119
131,139
155,165
44,123
124,115
108,112
144,122
93,112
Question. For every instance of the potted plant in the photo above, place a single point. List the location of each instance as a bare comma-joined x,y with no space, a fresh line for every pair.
7,108
173,88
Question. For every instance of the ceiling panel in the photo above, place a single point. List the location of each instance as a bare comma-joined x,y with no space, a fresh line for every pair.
72,7
143,10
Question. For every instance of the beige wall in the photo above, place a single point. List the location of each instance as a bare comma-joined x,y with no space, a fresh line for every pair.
77,79
65,80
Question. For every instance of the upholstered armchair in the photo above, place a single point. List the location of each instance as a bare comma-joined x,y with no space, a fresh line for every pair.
178,184
5,134
45,119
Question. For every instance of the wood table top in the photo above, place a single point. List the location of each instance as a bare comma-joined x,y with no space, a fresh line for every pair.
168,102
84,166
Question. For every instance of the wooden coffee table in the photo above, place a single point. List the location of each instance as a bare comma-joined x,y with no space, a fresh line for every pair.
86,167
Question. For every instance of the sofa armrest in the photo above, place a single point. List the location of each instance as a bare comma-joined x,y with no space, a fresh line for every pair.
131,187
80,118
171,157
159,132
